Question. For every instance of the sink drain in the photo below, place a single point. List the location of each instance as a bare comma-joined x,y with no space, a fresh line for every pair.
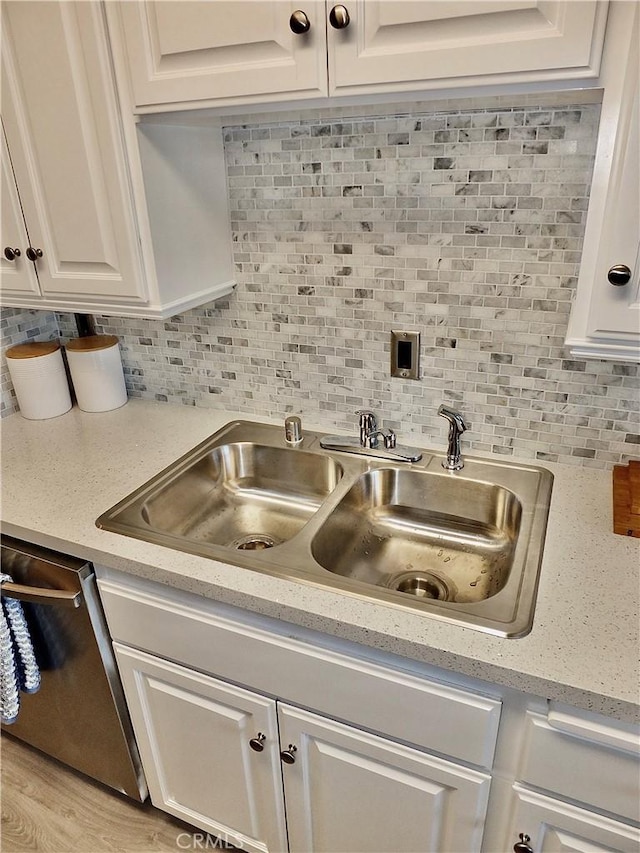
420,585
254,542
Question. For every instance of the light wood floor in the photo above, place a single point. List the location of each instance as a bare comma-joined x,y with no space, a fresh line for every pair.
48,807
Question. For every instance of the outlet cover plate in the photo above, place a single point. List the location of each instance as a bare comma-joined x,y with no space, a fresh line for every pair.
405,355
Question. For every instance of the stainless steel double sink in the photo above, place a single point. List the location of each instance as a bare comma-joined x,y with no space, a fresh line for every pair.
461,546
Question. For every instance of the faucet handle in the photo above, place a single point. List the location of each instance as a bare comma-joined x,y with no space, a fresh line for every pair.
453,417
368,420
368,424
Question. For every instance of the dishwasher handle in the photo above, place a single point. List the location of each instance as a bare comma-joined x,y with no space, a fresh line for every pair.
41,595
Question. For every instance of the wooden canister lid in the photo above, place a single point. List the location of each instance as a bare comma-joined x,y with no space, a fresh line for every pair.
32,350
90,343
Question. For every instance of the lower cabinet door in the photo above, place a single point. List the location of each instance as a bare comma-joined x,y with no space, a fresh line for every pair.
557,827
353,792
198,738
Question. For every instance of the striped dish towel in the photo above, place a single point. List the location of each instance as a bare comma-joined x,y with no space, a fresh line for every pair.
18,667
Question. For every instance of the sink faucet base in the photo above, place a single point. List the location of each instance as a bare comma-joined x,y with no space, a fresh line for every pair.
368,442
345,444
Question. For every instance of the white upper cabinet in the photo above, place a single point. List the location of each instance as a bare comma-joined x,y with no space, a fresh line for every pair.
17,272
222,50
427,44
183,54
60,120
74,194
605,320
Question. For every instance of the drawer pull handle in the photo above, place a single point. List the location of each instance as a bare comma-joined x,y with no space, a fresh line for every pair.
11,254
523,845
289,755
299,23
257,743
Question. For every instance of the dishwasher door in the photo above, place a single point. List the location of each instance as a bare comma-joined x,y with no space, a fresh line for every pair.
79,714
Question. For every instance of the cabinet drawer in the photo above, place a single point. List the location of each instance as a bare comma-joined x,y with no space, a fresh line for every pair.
240,648
556,826
583,768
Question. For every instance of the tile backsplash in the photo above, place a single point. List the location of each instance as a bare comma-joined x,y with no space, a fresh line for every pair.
465,226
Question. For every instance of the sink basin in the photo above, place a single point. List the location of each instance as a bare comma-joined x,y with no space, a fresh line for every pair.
243,495
464,547
420,533
240,495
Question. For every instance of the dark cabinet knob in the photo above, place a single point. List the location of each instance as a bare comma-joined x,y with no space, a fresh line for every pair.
289,755
257,743
619,274
33,254
11,254
522,846
339,17
299,23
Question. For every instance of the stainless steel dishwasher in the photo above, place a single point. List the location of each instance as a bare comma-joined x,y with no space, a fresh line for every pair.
79,714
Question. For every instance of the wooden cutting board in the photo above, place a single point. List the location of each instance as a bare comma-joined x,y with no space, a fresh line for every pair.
626,499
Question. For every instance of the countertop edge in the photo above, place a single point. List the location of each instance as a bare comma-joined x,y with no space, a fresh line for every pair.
419,652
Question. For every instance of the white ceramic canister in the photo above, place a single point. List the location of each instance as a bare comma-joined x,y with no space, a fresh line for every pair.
39,379
96,372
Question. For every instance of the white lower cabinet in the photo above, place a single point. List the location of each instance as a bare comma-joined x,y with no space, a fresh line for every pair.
195,735
551,826
277,738
577,784
348,790
213,757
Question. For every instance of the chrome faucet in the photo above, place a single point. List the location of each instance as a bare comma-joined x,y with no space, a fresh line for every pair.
368,442
368,425
457,426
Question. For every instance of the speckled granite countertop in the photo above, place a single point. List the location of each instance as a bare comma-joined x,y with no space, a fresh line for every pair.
59,475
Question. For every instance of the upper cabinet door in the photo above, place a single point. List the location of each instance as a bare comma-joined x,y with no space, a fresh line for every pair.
427,44
219,53
64,137
605,317
615,307
223,50
18,274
